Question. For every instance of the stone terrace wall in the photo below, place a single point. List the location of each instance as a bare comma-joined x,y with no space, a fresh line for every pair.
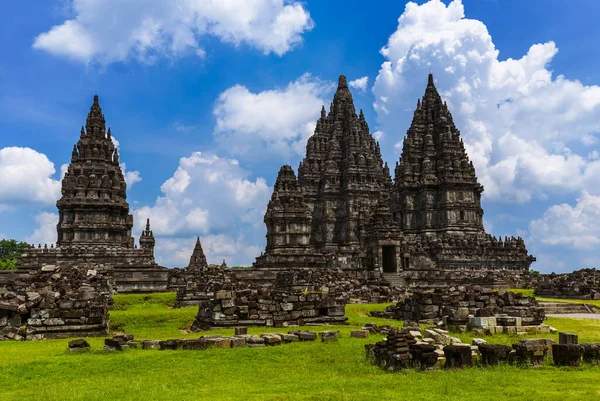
580,284
297,297
431,276
133,270
54,303
197,285
457,303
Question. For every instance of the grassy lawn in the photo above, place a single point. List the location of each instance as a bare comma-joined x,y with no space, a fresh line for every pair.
308,371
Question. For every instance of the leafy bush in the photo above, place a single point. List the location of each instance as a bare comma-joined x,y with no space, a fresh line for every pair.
11,252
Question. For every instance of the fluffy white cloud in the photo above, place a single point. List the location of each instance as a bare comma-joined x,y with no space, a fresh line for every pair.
278,120
26,177
115,30
211,197
518,121
576,227
45,233
360,83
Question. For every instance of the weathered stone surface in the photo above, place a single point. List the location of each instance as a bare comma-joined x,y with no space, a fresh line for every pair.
80,343
567,338
219,342
151,344
435,191
241,330
591,353
567,354
457,356
197,344
359,333
329,335
494,354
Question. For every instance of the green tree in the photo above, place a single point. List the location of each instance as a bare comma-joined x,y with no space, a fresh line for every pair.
10,253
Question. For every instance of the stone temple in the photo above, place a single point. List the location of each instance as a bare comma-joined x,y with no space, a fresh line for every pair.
94,226
424,228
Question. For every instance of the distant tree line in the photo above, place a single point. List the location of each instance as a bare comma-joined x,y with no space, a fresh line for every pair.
11,252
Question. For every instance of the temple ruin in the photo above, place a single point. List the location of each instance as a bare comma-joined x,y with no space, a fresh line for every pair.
94,227
423,229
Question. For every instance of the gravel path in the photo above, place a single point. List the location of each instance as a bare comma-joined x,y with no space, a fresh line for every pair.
593,316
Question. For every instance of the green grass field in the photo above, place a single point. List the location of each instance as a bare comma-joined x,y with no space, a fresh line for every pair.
44,370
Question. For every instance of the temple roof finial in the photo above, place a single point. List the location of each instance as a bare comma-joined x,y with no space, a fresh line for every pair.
342,83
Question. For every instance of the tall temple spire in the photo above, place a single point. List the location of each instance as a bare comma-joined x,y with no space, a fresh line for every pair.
95,124
434,155
94,177
198,259
147,237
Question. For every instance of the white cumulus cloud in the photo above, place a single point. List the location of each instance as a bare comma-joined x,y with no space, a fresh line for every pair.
45,232
26,177
360,83
115,30
575,227
519,121
211,197
278,121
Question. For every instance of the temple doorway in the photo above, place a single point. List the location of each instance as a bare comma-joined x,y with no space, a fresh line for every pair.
389,258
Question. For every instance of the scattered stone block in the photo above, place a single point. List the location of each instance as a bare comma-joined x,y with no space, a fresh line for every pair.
479,341
328,336
170,344
591,353
494,354
238,342
271,339
195,344
424,356
240,331
567,354
567,338
458,356
80,343
359,333
219,342
150,344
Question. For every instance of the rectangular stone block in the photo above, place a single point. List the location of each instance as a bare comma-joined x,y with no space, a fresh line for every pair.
567,338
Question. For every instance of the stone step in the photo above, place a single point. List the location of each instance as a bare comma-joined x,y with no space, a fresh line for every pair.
554,308
395,279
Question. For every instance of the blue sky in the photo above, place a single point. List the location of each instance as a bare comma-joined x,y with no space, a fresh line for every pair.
207,102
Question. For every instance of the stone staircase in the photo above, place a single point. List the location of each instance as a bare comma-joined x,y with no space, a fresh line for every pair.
395,279
558,308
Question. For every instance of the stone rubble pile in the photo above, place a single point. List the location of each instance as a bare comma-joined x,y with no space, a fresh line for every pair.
241,339
471,307
55,302
406,348
580,284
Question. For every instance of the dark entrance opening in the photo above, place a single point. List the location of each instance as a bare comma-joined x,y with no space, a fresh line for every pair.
389,258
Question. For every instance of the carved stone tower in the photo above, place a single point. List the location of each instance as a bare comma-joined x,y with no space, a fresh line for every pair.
198,259
147,238
287,217
93,209
435,188
342,176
